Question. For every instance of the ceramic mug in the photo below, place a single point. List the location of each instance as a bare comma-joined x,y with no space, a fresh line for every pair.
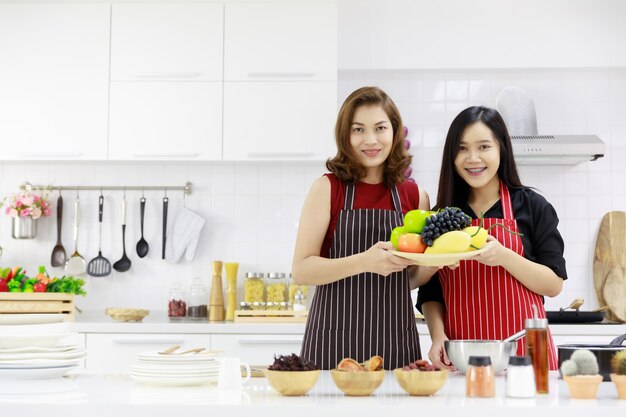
230,373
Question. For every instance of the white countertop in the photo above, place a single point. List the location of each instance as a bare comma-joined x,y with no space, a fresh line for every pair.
95,321
81,394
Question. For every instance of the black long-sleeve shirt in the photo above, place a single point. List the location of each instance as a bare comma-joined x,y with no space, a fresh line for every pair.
536,220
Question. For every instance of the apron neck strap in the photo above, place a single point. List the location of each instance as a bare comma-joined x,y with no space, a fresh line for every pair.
505,198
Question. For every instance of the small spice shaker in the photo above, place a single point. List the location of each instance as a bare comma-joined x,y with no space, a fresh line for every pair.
520,377
480,380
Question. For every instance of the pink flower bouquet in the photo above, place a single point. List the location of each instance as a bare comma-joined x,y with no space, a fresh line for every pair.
27,204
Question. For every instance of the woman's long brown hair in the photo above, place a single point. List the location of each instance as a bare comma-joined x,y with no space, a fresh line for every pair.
345,164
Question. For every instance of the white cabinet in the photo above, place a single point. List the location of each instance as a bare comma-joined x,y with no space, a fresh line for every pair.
277,120
117,352
280,41
425,34
257,349
166,41
166,121
54,80
166,81
280,80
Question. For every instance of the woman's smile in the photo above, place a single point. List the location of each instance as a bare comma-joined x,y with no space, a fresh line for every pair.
371,152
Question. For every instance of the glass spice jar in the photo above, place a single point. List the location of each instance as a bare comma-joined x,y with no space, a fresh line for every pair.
254,288
198,298
176,306
293,289
276,287
480,379
537,348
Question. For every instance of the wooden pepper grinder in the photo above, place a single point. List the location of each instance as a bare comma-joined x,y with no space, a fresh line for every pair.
216,303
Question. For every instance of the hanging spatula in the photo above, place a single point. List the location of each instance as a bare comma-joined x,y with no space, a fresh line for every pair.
99,266
76,264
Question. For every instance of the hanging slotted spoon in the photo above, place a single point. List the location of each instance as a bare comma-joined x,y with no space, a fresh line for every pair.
99,266
59,256
76,264
123,264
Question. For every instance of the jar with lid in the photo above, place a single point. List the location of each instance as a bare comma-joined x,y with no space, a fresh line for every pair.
480,379
177,306
197,302
520,377
254,288
276,287
299,300
537,348
293,289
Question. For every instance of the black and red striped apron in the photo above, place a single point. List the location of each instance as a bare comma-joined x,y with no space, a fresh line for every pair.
365,314
486,302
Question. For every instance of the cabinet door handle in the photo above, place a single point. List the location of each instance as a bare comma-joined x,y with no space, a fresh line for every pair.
149,341
50,154
281,74
280,154
167,155
165,74
269,342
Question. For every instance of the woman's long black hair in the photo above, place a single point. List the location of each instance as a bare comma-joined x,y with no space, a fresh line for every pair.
453,190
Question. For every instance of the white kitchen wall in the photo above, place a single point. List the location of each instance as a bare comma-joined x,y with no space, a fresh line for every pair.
252,209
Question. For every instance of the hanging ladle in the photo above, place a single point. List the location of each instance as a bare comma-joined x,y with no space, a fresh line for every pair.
123,264
59,256
142,245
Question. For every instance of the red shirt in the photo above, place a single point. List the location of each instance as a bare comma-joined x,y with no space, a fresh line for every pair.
366,196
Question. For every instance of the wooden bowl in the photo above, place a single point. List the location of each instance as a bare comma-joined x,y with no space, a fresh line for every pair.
358,384
127,314
583,386
416,382
292,383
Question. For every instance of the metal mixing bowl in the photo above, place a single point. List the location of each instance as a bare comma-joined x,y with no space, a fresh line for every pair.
459,352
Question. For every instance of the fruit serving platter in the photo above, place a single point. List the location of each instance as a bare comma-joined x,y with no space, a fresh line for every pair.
437,259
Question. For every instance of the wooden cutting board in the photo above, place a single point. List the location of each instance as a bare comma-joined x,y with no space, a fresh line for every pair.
609,265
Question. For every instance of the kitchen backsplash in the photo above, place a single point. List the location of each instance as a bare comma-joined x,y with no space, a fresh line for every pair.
252,209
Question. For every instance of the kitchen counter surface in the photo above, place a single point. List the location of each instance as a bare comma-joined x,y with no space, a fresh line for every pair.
81,394
95,321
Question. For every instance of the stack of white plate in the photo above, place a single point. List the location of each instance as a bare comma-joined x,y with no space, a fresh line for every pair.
32,351
175,370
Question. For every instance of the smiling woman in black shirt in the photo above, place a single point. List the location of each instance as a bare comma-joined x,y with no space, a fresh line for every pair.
489,296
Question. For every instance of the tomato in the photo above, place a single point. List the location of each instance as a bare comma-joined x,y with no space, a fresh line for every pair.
395,235
39,287
415,220
411,242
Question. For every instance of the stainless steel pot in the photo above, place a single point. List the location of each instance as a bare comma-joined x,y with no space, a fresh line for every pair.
604,353
459,351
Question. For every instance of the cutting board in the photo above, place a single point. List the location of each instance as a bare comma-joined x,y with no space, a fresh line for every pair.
609,265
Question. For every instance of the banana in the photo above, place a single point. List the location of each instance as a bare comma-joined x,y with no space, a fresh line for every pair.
450,242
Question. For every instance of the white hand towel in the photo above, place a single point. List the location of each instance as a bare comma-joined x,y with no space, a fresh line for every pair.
184,236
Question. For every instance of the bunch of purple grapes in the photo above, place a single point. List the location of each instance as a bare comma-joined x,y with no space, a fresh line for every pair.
445,220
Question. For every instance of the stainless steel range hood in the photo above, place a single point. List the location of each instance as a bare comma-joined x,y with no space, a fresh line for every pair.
556,149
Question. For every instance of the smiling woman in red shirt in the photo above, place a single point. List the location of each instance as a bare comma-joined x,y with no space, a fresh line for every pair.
362,304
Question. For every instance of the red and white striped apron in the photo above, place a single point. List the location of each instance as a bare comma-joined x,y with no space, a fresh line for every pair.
486,302
366,314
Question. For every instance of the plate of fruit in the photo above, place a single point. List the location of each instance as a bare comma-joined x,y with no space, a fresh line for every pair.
438,238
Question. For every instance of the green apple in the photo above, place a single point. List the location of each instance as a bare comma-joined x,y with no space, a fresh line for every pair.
395,235
415,220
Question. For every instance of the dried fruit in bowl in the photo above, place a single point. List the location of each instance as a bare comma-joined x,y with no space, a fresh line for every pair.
375,363
349,364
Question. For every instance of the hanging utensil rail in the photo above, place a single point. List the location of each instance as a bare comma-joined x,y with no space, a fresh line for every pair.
185,188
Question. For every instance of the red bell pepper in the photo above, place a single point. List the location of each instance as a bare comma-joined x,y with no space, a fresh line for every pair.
4,286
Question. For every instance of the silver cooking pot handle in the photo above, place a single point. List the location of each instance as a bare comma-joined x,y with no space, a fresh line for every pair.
618,341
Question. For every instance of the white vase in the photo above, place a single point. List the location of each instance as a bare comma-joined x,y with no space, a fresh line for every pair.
23,228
